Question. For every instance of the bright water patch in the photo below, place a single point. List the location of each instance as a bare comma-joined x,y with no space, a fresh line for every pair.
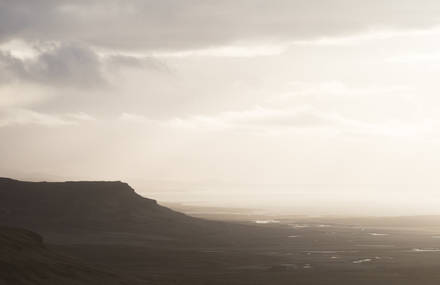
425,250
366,260
267,222
377,234
300,226
324,251
362,260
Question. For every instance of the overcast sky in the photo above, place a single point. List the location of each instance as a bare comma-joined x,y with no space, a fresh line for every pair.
320,106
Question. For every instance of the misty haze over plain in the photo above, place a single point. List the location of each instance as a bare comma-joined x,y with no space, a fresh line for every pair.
310,106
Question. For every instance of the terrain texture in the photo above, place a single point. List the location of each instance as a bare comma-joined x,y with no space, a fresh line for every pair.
104,233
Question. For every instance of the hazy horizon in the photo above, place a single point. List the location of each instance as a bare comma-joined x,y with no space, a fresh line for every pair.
307,200
315,107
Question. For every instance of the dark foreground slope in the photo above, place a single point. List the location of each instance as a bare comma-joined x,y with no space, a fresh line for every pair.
24,259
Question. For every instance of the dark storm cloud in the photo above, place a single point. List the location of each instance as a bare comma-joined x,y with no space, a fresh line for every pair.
176,24
68,64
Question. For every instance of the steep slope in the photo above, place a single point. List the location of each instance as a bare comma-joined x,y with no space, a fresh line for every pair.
24,259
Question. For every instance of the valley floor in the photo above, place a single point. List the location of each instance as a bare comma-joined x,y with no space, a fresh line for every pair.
303,253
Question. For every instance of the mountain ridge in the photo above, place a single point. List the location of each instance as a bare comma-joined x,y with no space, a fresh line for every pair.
94,204
97,212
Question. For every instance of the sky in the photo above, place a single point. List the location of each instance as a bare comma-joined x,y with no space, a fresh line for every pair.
310,106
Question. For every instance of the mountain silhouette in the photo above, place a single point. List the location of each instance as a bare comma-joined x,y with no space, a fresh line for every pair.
106,207
109,205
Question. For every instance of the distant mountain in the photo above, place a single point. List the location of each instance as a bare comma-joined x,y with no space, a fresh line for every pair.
105,207
24,259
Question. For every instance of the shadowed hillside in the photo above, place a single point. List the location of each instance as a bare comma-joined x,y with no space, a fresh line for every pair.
94,205
24,259
65,209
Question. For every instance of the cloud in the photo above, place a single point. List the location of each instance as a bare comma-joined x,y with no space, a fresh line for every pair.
268,120
194,24
299,118
20,116
135,61
135,118
278,121
228,51
21,17
67,64
253,119
371,35
60,65
414,58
